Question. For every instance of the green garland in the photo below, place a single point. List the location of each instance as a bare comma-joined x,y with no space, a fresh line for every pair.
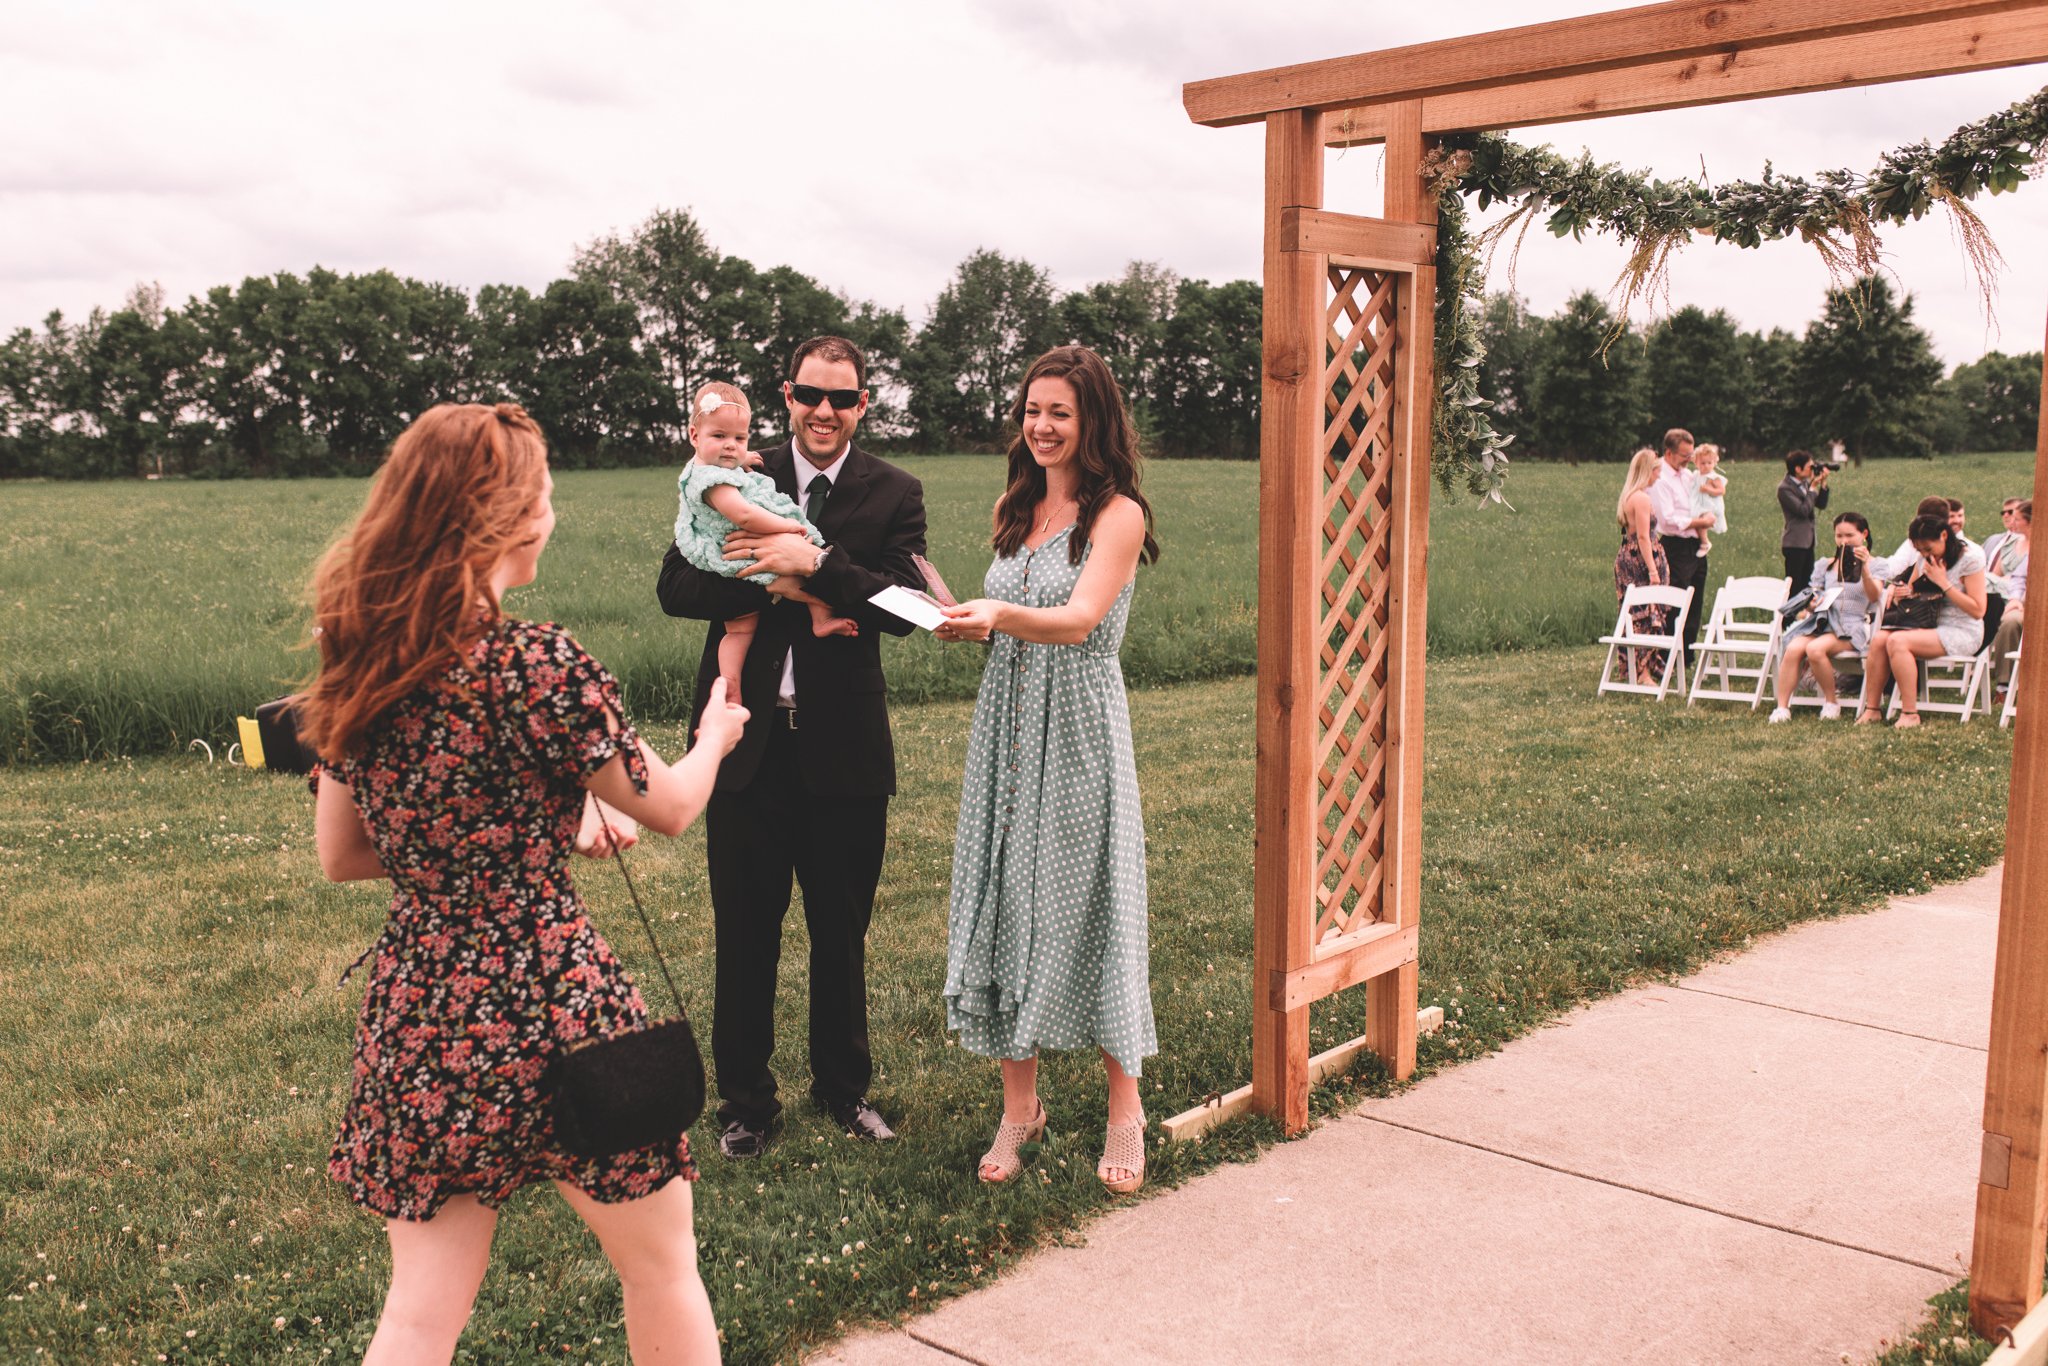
1836,211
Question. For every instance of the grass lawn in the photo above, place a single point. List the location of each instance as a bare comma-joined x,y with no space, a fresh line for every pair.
136,616
179,1052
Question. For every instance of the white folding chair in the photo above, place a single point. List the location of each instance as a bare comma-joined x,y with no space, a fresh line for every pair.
1740,644
1626,641
1951,685
2012,692
1849,667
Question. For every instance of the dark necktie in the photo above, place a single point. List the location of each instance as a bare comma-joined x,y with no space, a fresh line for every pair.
814,498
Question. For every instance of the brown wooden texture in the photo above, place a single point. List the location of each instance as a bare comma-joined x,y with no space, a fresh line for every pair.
1370,242
1290,439
2012,1218
1594,42
1390,999
1380,949
1976,42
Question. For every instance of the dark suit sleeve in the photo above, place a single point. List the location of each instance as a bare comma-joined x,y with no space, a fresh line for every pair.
847,586
1820,500
687,591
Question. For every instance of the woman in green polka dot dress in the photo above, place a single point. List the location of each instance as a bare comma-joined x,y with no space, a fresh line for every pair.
1047,929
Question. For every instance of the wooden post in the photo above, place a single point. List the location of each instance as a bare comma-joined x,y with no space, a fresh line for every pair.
1290,437
2012,1184
1391,997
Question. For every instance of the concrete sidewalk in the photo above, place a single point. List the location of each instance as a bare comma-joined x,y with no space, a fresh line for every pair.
1772,1161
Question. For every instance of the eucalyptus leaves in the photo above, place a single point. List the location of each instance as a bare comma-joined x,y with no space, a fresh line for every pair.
1836,211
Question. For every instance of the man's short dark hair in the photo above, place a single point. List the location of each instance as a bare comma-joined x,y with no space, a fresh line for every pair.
1676,437
834,349
1955,505
1796,461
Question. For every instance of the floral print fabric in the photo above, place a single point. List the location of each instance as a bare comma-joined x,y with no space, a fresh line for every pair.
472,793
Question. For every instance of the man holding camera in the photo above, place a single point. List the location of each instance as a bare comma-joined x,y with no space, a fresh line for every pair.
1803,492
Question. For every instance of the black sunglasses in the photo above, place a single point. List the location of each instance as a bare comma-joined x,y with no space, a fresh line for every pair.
810,395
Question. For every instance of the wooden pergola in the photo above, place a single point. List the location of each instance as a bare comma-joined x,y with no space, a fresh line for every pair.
1344,479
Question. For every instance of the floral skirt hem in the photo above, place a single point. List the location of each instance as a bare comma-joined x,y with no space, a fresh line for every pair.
610,1185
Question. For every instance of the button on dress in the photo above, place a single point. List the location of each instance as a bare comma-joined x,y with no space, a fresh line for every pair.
1047,924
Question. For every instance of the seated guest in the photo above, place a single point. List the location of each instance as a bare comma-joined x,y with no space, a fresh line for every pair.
1823,631
2008,553
1901,561
1950,571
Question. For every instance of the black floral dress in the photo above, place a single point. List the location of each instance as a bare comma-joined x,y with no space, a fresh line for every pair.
471,790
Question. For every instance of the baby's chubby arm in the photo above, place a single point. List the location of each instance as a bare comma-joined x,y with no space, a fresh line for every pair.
1714,486
732,505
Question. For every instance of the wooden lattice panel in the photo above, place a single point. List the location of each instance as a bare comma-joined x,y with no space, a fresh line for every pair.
1352,573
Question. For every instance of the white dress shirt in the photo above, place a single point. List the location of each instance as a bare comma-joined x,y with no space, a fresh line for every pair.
805,473
1671,503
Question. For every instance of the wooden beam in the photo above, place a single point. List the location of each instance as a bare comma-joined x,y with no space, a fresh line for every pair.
2012,1190
1290,446
1594,42
1381,949
2029,1345
1372,242
1210,1113
1390,997
1975,42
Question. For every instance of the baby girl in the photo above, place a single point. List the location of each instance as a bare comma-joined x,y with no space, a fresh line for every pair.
720,494
1709,489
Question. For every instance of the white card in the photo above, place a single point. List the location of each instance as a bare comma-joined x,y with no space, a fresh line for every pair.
915,608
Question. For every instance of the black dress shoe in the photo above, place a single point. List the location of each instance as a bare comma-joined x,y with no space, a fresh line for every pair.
859,1119
745,1137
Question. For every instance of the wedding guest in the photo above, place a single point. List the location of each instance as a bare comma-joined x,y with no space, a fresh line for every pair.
1820,633
1709,492
1640,561
460,750
1801,493
1678,527
1950,571
1047,930
1901,561
806,795
2009,553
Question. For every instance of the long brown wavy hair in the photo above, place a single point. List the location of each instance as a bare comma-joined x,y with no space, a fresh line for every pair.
403,592
1108,455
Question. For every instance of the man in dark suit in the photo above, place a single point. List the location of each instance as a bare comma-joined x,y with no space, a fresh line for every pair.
806,792
1800,495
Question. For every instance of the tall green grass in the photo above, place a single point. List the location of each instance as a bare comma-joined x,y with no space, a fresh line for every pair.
135,617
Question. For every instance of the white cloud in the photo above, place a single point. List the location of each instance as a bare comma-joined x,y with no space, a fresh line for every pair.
871,146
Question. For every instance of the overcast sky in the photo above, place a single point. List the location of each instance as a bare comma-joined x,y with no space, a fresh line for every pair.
873,145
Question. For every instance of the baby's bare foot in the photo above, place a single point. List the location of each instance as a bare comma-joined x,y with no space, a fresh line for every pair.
834,626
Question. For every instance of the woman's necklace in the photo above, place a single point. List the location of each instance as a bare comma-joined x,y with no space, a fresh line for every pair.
1046,525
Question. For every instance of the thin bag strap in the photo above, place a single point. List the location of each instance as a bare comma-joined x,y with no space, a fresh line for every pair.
633,892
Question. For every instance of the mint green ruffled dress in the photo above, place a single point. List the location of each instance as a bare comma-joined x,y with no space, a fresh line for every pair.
1047,929
701,529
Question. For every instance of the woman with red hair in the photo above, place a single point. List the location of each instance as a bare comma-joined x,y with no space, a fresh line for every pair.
460,751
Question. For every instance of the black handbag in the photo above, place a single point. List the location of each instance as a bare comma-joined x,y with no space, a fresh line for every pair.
1916,611
646,1086
278,729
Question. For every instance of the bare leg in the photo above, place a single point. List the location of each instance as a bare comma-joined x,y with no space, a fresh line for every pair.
1787,681
732,650
823,622
653,1247
1020,1106
1877,676
1899,650
1820,658
436,1266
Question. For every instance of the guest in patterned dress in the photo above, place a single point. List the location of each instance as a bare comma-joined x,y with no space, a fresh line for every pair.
1048,921
1641,559
460,752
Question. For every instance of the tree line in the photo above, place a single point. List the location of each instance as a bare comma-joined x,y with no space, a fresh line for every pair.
287,375
1573,386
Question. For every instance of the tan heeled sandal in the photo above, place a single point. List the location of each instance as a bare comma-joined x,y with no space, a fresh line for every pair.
1123,1149
1005,1156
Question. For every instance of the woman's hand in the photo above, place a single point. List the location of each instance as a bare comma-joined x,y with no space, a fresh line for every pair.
1895,593
722,722
597,837
975,620
1936,573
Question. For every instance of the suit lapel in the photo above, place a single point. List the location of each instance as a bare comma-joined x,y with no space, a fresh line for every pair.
847,492
780,465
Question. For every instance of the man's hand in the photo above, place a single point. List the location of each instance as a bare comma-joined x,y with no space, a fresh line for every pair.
781,552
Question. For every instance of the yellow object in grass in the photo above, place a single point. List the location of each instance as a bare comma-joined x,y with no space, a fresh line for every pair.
252,741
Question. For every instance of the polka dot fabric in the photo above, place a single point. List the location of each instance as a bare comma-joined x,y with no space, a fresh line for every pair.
1048,917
